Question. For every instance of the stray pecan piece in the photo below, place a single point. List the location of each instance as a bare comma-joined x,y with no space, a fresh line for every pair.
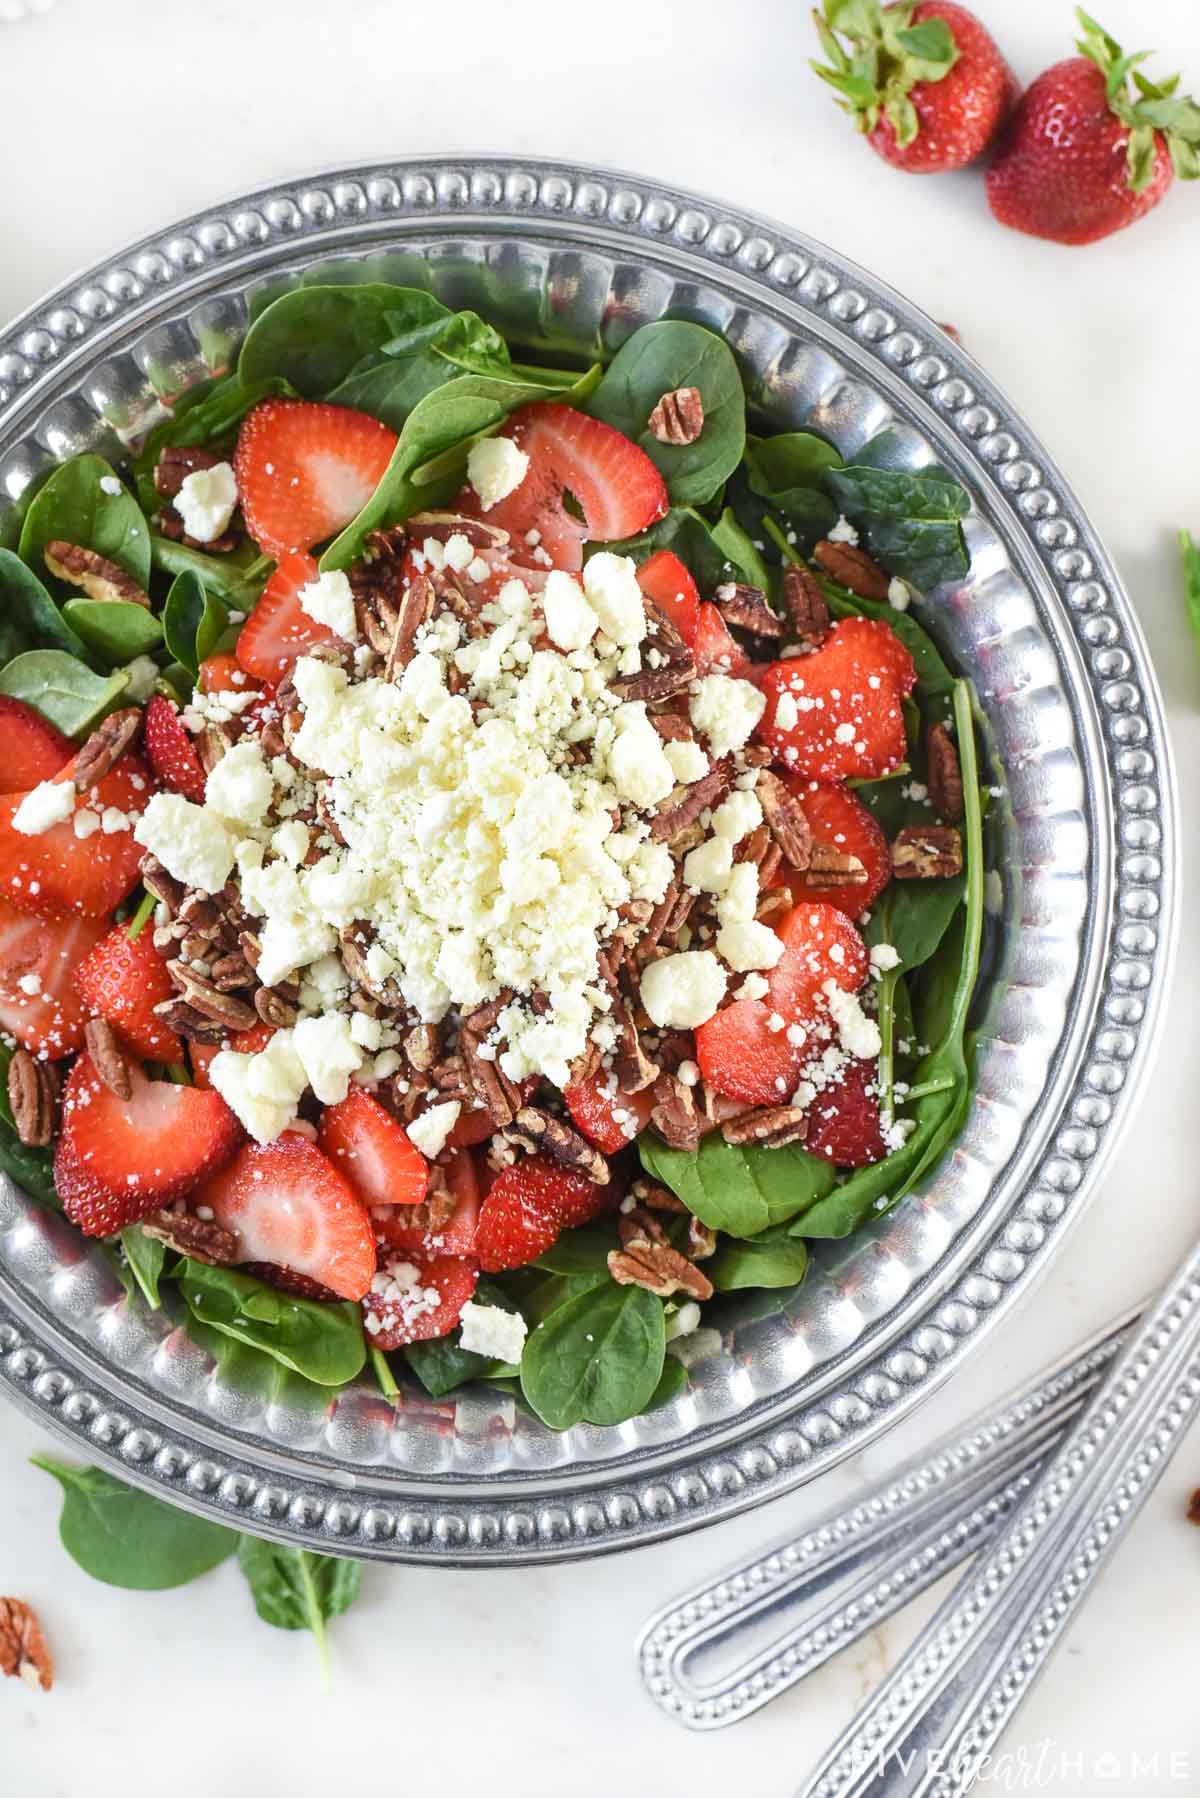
93,573
23,1651
852,567
674,1114
542,1133
769,1129
105,747
708,791
32,1098
944,775
108,1057
201,1239
805,604
927,852
748,607
1193,1510
656,1266
785,819
678,417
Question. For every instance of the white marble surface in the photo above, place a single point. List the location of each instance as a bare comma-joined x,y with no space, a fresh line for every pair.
116,118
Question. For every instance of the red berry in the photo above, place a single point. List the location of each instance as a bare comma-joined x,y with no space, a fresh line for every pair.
664,580
366,1145
529,1205
49,1020
840,821
171,752
610,1119
59,871
416,1301
717,650
305,470
455,1237
843,1121
34,750
123,979
836,714
279,629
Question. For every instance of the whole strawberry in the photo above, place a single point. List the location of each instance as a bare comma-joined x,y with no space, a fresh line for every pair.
1087,153
925,83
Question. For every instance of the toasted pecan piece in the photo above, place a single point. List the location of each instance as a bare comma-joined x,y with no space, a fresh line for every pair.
806,606
704,793
785,819
105,747
944,775
542,1133
678,417
748,607
768,1128
927,852
108,1057
199,1238
852,567
93,574
32,1098
23,1651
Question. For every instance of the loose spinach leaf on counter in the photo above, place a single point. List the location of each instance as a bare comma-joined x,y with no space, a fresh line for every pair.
294,1588
193,621
776,1258
323,1342
31,1168
63,690
116,630
911,523
656,360
75,507
1191,580
736,1188
598,1358
29,618
126,1538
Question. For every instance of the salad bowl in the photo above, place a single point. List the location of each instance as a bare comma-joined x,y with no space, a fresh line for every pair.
1080,891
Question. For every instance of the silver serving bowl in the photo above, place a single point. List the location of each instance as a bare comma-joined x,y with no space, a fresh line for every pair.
1081,900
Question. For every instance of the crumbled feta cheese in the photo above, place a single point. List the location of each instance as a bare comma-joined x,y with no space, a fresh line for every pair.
261,1090
496,468
787,714
637,759
191,842
753,987
240,786
725,711
611,585
884,956
682,991
899,594
143,676
85,823
457,552
487,1330
842,532
206,500
30,984
110,484
291,840
330,601
748,946
688,761
739,902
48,804
708,866
328,1054
737,816
570,620
859,1034
428,1132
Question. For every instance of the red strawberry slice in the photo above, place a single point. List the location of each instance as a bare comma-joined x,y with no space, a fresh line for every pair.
245,1042
842,714
614,483
223,673
58,871
664,579
116,1159
123,979
50,1019
739,1052
470,1129
456,1236
840,821
279,630
717,650
171,751
372,1151
528,1207
34,750
843,1121
610,1119
305,470
288,1205
416,1301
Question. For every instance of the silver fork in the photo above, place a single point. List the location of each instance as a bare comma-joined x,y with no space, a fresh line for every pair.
731,1644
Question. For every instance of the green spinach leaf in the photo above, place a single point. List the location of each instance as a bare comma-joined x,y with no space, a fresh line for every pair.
126,1538
775,1258
29,618
145,1256
116,629
76,507
694,541
205,416
911,523
580,1251
194,620
63,690
316,337
598,1358
321,1341
443,1364
780,481
236,579
1191,580
296,1589
656,360
739,1189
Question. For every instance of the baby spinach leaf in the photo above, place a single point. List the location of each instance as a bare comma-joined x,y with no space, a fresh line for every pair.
63,689
694,541
598,1358
740,549
116,629
671,1383
236,579
780,480
293,1588
193,620
31,1168
778,465
581,1251
145,1256
126,1538
315,337
739,1189
913,916
323,1342
29,618
205,416
767,1260
1191,580
443,1364
75,506
908,522
657,359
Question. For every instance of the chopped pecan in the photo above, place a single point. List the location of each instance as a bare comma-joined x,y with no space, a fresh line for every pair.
748,607
830,867
632,1066
852,567
500,1097
673,1114
665,922
657,1198
760,848
356,943
230,972
108,1057
176,462
23,1651
275,1008
94,574
541,1133
201,1239
678,417
701,796
437,1207
170,523
944,775
806,606
668,663
449,1076
672,728
105,747
165,888
641,1261
769,1129
32,1098
444,525
785,819
186,1021
223,1008
927,852
214,741
453,591
701,1241
773,903
422,1047
480,1020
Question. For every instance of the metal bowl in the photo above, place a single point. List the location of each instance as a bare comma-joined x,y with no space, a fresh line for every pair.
1081,900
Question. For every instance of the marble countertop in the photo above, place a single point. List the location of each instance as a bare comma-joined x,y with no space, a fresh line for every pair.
117,118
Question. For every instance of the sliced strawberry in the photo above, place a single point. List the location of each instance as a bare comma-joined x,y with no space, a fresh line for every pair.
843,1121
34,750
288,1205
279,629
223,674
58,871
845,698
123,979
610,1119
840,821
717,651
739,1052
171,751
664,579
528,1206
372,1151
50,1019
246,1042
116,1159
393,1224
614,483
416,1301
470,1129
305,470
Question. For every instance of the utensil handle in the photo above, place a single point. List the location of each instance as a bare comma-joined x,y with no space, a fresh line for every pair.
731,1644
929,1728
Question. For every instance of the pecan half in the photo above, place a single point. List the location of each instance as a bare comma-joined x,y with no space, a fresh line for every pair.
229,973
805,603
105,747
654,1197
541,1133
678,417
633,1067
672,728
701,1241
668,663
944,775
423,1047
108,1057
656,1266
852,567
769,1129
785,819
201,1239
32,1098
674,1113
927,852
830,867
176,462
436,1209
274,1007
704,793
223,1008
444,525
500,1098
186,1021
748,607
93,573
23,1651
